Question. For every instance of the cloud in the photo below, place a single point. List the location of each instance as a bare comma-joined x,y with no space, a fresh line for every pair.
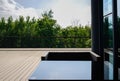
66,11
11,8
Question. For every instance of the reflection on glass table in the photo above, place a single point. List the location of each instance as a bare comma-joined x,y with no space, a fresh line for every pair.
62,70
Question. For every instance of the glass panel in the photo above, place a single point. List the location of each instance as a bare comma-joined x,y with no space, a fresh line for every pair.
108,47
118,3
108,40
107,6
118,6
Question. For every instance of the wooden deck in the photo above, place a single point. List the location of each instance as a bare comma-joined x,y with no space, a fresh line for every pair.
18,64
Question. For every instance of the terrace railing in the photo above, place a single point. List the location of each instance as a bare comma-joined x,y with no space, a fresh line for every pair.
45,42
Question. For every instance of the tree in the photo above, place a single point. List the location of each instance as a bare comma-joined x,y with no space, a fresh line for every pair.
43,33
46,28
9,26
48,14
2,27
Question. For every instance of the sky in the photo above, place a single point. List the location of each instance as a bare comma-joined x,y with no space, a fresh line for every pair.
118,3
66,12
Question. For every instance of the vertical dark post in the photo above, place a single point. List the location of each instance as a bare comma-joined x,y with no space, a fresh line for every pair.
97,37
100,17
101,47
95,28
115,41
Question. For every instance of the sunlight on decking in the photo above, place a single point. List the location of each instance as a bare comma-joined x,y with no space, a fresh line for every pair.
18,65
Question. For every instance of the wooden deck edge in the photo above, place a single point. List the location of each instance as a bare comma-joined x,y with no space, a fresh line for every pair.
45,49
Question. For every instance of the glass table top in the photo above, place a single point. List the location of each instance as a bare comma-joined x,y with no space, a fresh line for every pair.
62,70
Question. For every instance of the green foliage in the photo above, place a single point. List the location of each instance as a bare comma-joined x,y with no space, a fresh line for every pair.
119,31
42,33
48,14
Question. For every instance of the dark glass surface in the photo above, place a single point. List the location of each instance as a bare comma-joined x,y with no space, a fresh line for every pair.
118,10
108,32
108,40
118,73
63,70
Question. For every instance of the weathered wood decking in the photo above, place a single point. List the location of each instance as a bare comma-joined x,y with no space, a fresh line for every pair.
18,64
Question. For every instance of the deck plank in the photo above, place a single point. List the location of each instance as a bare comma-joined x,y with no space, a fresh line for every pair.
19,64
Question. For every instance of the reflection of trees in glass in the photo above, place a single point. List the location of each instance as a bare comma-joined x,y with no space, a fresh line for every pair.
119,31
108,33
43,32
106,25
